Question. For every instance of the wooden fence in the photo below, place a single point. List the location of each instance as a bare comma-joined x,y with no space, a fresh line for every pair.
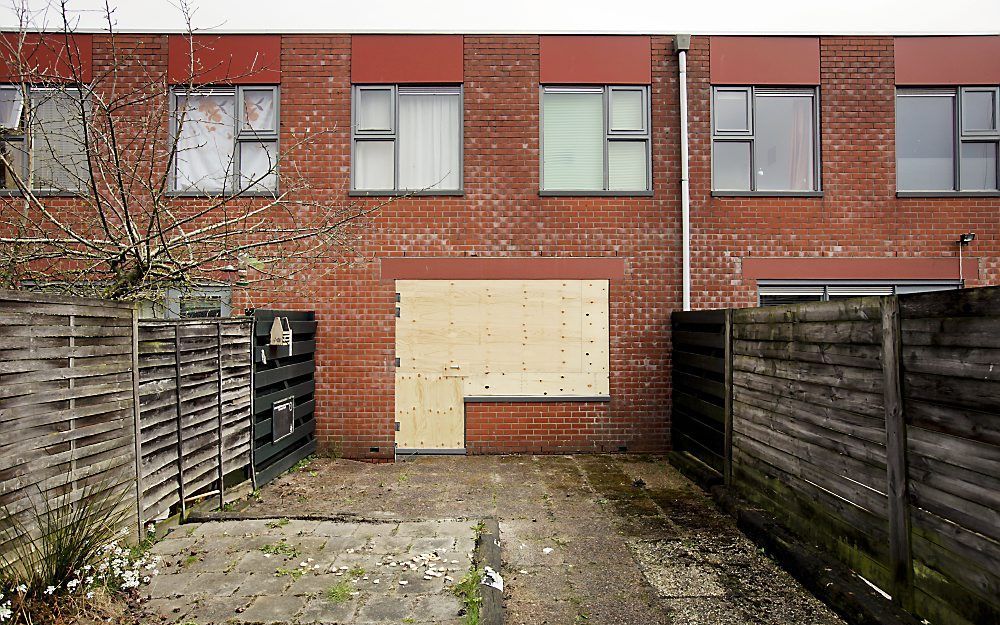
66,404
872,427
194,410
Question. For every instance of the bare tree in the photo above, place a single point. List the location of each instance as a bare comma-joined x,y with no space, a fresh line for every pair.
124,186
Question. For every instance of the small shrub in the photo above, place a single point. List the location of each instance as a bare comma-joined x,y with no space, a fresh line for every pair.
467,591
281,548
67,556
338,593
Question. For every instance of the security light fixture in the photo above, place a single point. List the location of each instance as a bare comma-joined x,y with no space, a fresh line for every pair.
966,238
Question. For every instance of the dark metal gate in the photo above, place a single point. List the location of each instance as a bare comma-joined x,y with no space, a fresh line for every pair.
284,392
700,362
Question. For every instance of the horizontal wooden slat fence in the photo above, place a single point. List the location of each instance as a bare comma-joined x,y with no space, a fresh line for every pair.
194,410
66,405
871,427
699,373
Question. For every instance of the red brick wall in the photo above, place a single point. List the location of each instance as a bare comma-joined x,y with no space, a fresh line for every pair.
501,214
859,213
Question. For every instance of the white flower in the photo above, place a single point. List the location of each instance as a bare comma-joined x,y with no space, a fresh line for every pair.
90,595
50,590
73,583
5,612
22,589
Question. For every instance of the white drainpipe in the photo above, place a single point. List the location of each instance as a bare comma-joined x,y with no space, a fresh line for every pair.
682,43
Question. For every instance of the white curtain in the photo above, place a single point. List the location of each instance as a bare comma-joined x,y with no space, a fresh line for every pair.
573,141
258,160
258,110
206,141
429,141
57,136
373,168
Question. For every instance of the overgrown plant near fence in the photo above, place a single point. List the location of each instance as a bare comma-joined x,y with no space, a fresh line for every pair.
868,426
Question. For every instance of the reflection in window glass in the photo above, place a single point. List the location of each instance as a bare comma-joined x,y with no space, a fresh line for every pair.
732,110
783,143
731,165
979,166
925,142
978,111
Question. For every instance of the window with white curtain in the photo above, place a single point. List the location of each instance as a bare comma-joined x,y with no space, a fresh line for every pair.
48,134
595,139
948,139
227,139
407,139
764,139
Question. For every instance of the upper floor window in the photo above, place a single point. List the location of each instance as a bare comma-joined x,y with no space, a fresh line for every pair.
595,139
43,139
764,139
407,139
935,125
227,139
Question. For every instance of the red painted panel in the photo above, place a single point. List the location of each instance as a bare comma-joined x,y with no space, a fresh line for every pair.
471,268
595,59
383,59
859,268
764,60
225,59
947,60
46,57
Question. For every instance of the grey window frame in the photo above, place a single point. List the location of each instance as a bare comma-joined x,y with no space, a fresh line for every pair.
240,136
169,305
749,136
961,136
21,135
645,135
392,136
824,287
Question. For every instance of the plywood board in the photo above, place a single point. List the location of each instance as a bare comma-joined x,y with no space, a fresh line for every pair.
430,411
508,337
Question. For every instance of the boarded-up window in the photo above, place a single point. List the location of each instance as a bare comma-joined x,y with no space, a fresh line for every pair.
507,338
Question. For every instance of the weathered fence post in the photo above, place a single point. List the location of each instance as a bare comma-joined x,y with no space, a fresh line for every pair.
727,467
136,418
180,425
218,404
900,554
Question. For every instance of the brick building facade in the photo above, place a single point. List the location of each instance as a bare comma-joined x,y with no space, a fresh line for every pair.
853,228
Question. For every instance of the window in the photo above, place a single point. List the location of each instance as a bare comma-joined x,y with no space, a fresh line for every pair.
407,139
226,139
48,134
764,139
946,139
785,293
595,139
193,302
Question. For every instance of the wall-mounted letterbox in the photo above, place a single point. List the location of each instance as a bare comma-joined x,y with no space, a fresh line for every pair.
281,333
282,418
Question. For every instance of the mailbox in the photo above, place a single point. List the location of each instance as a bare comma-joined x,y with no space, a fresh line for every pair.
282,418
281,333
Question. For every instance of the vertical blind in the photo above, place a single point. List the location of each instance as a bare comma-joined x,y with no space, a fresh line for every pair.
57,134
573,141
